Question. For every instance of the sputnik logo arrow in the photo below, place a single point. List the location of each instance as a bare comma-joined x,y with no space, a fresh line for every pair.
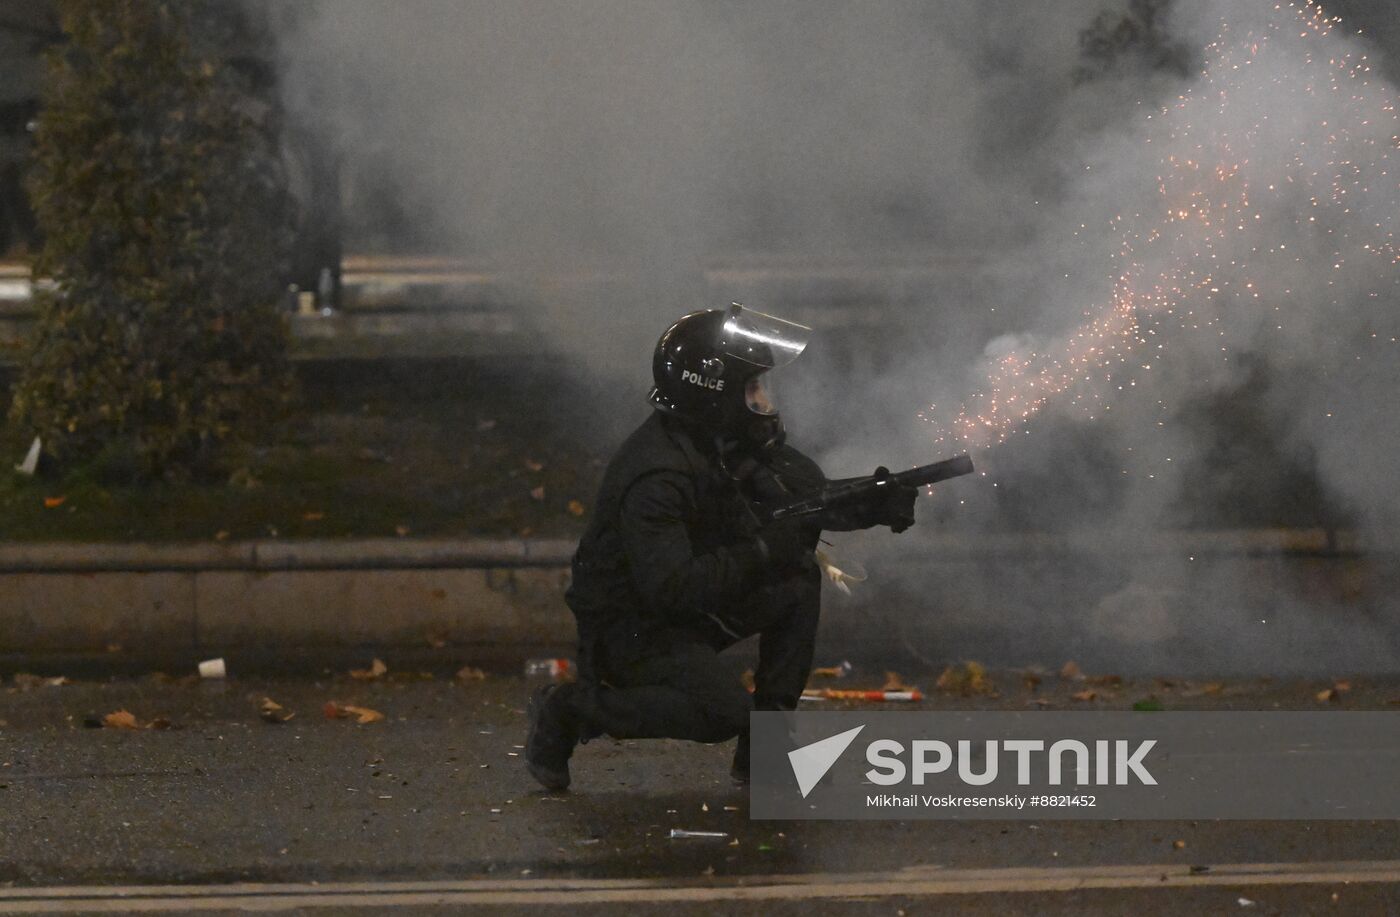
811,762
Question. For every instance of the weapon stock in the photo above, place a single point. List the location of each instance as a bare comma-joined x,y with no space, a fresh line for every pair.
860,490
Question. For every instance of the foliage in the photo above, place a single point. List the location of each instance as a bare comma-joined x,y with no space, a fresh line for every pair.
1137,37
161,199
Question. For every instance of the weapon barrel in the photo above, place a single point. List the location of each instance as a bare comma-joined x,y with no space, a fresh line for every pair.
955,467
864,488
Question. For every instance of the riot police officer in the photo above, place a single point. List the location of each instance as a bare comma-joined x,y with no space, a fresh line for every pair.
675,566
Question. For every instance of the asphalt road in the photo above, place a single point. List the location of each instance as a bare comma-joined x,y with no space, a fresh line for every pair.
430,811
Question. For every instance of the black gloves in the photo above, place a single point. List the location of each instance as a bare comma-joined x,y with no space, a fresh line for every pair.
787,543
895,506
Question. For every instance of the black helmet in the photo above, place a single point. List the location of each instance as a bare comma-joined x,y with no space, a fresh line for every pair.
705,362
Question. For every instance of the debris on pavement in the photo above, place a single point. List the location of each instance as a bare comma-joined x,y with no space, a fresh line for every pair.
576,508
747,681
362,715
1148,705
1245,902
273,712
25,681
470,673
840,670
968,679
121,719
533,466
894,682
54,502
125,719
376,669
1071,672
213,668
553,668
911,695
1334,693
1087,694
681,833
537,493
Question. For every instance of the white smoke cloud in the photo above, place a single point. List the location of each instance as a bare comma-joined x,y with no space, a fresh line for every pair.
655,138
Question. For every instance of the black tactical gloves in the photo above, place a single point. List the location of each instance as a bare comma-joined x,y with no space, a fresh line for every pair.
896,506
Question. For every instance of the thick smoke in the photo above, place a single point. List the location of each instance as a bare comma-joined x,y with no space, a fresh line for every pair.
642,142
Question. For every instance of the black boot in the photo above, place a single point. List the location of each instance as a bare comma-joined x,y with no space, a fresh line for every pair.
554,731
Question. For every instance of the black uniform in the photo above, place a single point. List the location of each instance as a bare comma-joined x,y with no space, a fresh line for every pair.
675,565
670,573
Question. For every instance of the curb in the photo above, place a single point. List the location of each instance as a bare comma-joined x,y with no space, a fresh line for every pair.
270,555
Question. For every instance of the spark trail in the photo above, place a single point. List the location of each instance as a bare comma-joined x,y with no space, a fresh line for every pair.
1273,185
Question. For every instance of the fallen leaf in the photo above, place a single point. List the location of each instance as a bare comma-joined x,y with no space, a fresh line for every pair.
121,719
53,502
483,425
1041,702
1148,705
1071,672
470,673
273,712
362,715
532,465
968,679
576,508
537,493
314,516
1030,681
1087,694
1334,693
747,679
1105,680
1178,845
832,671
160,722
376,669
895,682
221,535
401,530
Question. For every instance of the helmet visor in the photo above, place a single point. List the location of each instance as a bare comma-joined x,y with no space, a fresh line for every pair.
762,340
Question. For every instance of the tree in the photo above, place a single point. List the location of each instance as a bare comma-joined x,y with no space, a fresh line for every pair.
161,199
1136,37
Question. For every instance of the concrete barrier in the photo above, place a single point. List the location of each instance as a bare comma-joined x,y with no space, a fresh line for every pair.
211,598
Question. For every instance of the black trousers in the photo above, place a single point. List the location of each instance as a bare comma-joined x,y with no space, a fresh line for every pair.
671,685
